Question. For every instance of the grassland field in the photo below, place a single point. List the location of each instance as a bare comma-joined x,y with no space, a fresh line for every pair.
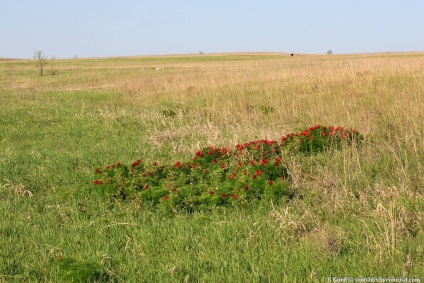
358,212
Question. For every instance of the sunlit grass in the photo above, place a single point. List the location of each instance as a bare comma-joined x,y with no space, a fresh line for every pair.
356,212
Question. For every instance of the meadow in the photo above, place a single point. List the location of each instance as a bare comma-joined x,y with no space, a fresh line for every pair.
357,211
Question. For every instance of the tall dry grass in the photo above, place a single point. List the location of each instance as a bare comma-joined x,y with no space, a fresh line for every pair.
262,98
364,203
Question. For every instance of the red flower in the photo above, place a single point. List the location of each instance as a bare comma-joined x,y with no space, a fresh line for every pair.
136,163
223,165
270,183
155,163
199,153
258,172
107,167
305,133
232,176
323,134
244,172
234,196
253,176
165,197
264,161
145,187
245,187
59,257
211,193
223,195
205,171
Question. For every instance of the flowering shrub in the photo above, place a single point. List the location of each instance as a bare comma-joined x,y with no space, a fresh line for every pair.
218,176
319,138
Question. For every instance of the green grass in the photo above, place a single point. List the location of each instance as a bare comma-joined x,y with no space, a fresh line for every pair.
356,212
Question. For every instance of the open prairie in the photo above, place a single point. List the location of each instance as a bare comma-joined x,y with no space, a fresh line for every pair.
357,212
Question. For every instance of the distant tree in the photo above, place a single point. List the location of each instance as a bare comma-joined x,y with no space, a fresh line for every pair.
53,70
329,52
40,60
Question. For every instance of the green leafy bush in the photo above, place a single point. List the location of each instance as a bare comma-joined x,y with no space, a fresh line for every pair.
217,176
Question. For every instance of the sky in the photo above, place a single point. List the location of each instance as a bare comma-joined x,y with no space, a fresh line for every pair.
105,28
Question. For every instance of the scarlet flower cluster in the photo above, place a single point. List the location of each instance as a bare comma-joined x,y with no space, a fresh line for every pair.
252,171
97,182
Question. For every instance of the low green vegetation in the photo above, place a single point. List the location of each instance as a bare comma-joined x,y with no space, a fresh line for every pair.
322,207
253,171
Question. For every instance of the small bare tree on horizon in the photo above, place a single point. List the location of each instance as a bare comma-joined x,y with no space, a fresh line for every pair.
40,60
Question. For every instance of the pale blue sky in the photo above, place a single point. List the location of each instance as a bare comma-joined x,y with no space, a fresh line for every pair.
98,28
